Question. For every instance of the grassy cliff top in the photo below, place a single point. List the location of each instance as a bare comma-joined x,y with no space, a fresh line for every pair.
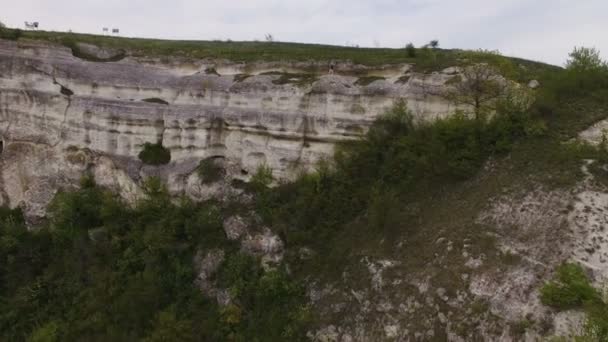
424,58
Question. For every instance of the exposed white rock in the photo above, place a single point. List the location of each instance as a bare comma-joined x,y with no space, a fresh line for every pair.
59,102
533,84
235,227
391,331
266,244
206,265
596,134
97,52
452,70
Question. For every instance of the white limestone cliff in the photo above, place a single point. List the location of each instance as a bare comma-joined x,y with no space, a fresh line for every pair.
61,116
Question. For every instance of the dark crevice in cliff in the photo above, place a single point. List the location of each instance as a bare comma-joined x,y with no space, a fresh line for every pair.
66,91
63,89
62,133
156,100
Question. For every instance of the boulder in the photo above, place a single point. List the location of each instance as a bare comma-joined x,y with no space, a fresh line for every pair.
533,84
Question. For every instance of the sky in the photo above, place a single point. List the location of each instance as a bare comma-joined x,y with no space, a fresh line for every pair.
542,30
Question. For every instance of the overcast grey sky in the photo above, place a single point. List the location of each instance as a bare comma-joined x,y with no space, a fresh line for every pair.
544,30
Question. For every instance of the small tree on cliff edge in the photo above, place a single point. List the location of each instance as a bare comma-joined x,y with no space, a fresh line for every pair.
480,87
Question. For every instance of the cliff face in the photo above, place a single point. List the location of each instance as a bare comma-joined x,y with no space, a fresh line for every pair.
61,115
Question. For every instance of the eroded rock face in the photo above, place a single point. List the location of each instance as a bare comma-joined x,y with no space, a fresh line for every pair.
59,104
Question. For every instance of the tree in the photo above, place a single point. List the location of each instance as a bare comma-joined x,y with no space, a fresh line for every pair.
410,49
585,59
434,43
480,86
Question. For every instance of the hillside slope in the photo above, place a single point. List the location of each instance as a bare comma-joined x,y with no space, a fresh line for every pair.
432,224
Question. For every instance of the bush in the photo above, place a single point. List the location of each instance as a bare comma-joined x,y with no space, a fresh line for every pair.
130,284
209,172
586,76
10,34
397,157
570,289
155,154
410,50
262,178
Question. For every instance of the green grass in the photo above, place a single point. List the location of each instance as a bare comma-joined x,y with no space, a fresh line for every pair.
425,59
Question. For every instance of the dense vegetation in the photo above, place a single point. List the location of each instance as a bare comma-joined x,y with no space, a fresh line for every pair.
155,154
100,270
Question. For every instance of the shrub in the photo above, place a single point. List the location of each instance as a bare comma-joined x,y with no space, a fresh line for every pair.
585,59
209,171
570,289
155,154
410,50
586,76
262,178
10,34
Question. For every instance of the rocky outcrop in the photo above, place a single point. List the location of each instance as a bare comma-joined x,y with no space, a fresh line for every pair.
61,115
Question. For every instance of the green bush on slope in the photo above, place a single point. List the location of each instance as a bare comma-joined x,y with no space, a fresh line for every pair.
397,156
155,154
101,271
572,289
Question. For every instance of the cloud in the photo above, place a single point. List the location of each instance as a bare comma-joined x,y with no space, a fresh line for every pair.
543,30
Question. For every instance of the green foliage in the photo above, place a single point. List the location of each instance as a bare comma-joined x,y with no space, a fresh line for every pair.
596,324
377,174
585,59
10,34
570,288
262,178
45,333
586,77
209,171
168,327
155,154
130,272
265,304
410,50
256,51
